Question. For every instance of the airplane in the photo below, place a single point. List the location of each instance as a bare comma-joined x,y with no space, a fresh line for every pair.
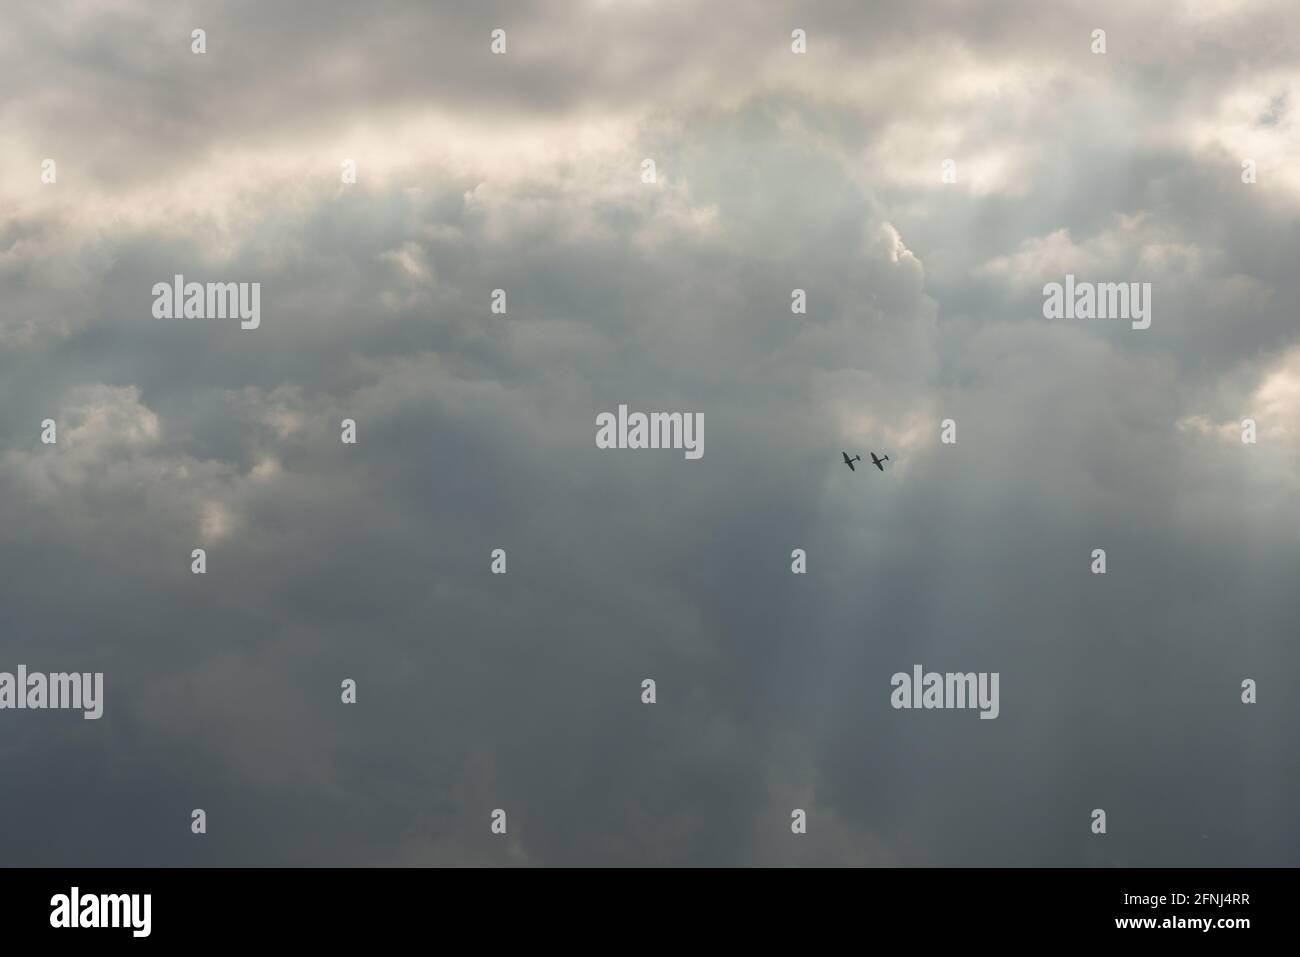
849,461
879,463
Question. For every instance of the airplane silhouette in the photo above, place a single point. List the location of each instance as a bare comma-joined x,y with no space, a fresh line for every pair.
849,461
879,463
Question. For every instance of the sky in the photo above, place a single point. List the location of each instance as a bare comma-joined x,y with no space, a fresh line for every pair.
774,171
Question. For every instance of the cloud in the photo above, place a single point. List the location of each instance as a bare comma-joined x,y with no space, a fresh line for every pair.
475,431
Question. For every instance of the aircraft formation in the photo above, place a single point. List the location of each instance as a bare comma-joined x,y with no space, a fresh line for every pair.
877,462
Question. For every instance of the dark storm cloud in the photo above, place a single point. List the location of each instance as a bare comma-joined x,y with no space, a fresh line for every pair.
477,431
